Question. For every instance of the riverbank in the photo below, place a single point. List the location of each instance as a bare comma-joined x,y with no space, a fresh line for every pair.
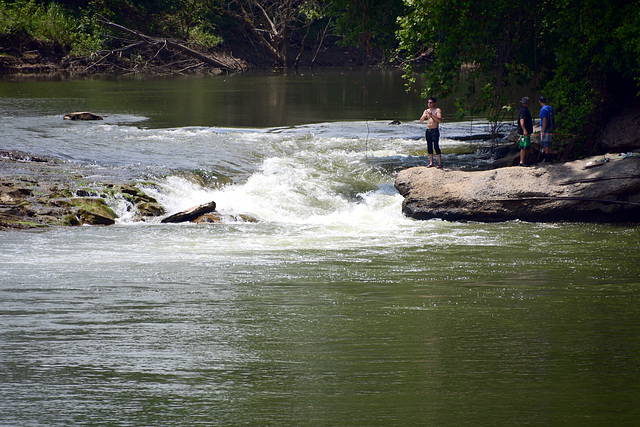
37,58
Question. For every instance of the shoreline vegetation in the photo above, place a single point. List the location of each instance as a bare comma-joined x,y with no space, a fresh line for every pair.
38,38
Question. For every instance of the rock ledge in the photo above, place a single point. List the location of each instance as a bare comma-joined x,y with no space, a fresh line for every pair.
570,191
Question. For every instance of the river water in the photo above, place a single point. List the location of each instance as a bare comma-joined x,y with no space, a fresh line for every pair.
333,308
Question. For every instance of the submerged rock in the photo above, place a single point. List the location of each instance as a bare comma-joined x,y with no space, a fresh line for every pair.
82,115
558,192
218,218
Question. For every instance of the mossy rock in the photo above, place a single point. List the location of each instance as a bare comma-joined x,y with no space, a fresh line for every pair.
209,218
247,218
71,220
206,178
146,205
94,211
150,209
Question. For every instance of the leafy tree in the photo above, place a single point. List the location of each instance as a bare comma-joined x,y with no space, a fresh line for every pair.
48,24
367,24
269,22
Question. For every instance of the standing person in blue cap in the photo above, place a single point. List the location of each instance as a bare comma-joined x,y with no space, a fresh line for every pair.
525,129
547,126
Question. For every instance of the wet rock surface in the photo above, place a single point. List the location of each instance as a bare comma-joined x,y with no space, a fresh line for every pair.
568,191
39,191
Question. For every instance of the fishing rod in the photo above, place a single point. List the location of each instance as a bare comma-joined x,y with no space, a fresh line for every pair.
366,142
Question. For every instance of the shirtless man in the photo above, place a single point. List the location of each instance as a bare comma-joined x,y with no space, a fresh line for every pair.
433,116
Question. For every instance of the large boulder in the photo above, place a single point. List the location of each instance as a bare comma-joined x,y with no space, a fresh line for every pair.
607,192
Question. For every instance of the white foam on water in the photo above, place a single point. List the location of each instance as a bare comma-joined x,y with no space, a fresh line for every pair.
309,193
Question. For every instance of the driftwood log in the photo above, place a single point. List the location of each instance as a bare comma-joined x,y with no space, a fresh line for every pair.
190,214
170,44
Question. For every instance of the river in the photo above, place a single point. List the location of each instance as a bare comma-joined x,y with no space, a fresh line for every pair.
333,308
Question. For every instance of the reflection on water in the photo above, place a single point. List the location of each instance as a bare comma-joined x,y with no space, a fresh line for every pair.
258,100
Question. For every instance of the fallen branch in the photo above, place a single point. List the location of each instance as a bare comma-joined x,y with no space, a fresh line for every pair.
155,41
190,214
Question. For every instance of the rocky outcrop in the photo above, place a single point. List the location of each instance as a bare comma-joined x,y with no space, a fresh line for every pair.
40,191
27,204
609,192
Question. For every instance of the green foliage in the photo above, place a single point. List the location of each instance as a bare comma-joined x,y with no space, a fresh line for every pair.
312,10
51,24
467,35
203,38
366,24
30,20
87,39
474,56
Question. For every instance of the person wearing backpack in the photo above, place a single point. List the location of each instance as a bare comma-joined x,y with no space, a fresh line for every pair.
547,126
